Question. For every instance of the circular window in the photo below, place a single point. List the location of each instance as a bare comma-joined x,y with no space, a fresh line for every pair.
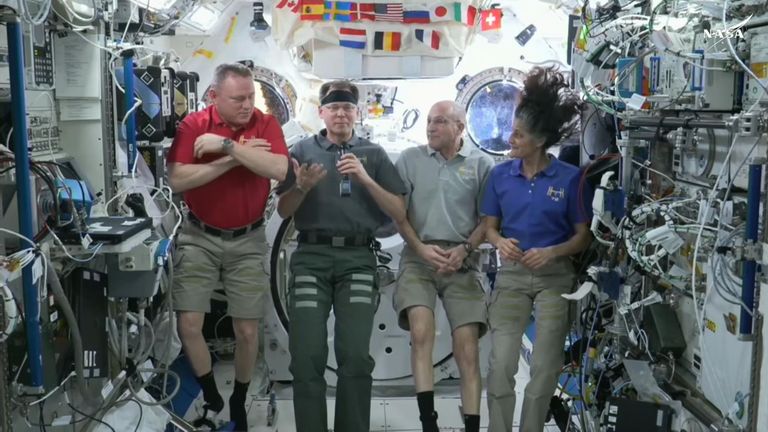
490,116
268,101
274,93
490,99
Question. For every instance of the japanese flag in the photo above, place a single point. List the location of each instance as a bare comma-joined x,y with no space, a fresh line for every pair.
439,13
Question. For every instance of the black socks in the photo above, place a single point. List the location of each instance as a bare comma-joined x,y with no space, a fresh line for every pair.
472,423
237,411
213,400
427,414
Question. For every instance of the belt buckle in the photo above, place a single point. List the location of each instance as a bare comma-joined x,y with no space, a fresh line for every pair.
227,234
337,241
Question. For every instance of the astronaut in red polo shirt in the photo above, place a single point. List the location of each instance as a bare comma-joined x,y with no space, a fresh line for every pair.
222,160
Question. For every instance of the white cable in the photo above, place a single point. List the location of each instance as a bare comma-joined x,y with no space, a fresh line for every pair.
8,143
736,57
53,391
11,312
31,243
697,244
644,166
134,9
42,14
93,252
76,14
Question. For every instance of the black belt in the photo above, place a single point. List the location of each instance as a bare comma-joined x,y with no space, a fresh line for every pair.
226,234
357,240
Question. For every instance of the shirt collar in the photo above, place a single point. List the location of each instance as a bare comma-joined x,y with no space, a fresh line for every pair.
218,121
324,142
549,171
465,149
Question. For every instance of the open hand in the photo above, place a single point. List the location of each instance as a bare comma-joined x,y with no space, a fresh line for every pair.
307,176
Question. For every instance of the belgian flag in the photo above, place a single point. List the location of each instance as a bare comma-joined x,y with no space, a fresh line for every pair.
386,41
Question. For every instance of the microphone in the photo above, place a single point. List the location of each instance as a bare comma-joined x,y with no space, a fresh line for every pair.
345,185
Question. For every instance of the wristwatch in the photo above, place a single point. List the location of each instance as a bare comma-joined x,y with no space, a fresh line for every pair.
468,247
226,145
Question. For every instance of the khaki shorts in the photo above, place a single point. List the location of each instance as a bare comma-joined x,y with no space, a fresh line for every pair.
205,263
461,292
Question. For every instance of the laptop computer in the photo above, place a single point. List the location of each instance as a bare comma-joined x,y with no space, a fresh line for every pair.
109,230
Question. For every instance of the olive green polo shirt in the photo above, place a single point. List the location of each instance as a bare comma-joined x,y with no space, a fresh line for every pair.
443,199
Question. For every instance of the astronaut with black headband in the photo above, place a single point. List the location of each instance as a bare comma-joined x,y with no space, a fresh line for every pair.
341,189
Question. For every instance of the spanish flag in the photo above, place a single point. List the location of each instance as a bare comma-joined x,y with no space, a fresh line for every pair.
312,10
386,41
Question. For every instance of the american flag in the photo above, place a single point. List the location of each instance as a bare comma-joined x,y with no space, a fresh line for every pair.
392,12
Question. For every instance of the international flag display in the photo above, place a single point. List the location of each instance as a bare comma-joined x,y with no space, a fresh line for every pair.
293,5
386,41
312,10
490,19
439,13
430,38
352,38
362,12
338,11
416,16
391,12
465,14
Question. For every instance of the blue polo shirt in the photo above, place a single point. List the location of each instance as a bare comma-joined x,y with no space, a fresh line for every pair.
539,212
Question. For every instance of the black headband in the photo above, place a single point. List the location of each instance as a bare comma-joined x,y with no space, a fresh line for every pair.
338,96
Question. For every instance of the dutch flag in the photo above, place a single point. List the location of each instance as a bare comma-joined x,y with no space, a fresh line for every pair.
352,38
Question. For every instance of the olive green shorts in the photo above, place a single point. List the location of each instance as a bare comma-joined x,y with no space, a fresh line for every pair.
205,263
462,293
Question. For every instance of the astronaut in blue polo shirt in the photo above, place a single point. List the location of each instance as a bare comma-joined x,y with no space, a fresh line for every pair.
537,217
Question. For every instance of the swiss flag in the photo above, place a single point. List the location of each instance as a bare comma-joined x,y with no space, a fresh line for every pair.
439,13
490,19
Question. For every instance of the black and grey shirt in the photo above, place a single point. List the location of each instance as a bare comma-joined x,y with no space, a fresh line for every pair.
324,209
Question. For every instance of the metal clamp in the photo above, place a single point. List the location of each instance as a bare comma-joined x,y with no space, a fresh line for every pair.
753,251
749,124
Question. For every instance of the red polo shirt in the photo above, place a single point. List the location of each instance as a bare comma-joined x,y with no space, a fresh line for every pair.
238,197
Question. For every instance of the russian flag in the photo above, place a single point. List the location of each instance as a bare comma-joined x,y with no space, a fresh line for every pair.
416,16
430,38
352,38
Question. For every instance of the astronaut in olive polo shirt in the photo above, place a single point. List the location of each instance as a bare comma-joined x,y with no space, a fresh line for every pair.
445,181
342,189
